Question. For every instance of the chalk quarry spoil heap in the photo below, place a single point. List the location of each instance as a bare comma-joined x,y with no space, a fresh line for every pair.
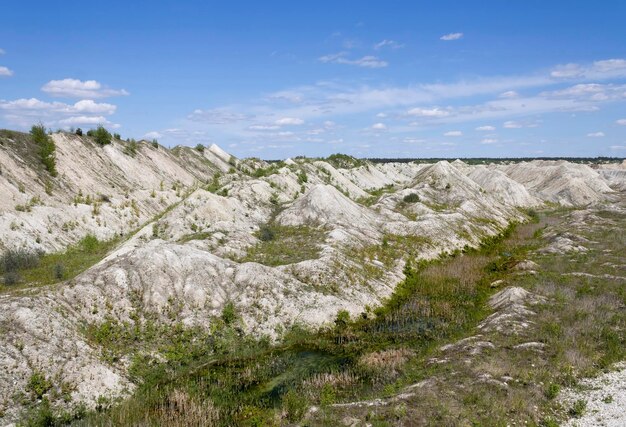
186,219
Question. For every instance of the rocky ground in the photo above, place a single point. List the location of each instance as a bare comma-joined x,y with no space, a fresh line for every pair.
191,224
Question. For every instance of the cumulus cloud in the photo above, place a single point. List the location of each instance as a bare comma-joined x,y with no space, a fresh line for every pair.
595,134
451,36
217,116
489,141
289,121
426,112
22,111
34,104
621,122
486,128
368,61
453,133
379,126
74,88
5,72
90,106
392,44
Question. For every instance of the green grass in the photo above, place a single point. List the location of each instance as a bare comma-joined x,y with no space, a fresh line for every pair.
285,245
68,264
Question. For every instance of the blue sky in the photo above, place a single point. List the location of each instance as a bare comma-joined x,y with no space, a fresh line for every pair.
277,79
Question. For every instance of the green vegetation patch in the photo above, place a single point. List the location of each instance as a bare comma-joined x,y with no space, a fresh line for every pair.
282,245
28,268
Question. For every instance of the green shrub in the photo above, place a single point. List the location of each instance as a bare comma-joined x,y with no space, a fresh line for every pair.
38,385
295,405
578,408
59,271
200,148
18,259
79,132
552,391
411,198
328,396
101,135
266,233
117,136
46,148
131,148
89,243
11,278
229,313
155,143
302,177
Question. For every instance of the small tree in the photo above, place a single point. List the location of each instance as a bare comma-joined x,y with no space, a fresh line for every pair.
46,148
79,132
200,148
117,136
102,136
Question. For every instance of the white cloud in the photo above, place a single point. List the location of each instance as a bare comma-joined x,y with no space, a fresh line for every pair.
263,127
2,52
379,126
381,115
410,140
289,121
621,122
451,36
589,92
89,106
486,128
84,120
618,147
509,94
489,141
153,135
24,111
368,61
217,116
595,134
388,43
599,69
5,72
73,88
453,133
425,112
566,71
512,125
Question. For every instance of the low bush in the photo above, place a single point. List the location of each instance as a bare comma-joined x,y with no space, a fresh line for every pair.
14,260
266,234
411,198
